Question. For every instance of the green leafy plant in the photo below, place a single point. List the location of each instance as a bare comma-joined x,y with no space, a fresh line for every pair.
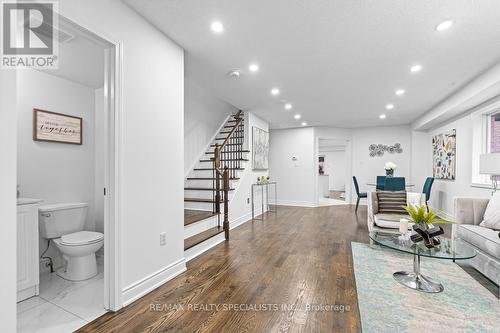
420,215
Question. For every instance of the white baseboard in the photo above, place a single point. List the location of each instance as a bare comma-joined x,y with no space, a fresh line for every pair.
297,203
151,282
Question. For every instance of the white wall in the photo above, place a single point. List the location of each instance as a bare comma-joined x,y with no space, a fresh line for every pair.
296,180
203,115
55,172
444,191
367,168
8,138
240,208
152,142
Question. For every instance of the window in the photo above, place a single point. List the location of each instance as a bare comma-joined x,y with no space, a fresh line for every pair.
485,139
494,135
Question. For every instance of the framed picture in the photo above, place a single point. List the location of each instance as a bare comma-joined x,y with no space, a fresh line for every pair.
444,150
260,149
56,127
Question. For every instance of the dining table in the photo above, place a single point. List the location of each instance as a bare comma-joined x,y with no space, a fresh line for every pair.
375,184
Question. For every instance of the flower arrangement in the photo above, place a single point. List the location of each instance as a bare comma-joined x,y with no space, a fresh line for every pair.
422,216
262,179
389,168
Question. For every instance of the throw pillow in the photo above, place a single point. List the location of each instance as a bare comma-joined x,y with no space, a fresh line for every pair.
491,218
391,202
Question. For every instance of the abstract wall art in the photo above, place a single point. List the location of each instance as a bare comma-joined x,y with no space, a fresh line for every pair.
444,149
378,150
260,149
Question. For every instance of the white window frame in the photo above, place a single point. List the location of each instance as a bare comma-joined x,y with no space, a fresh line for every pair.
481,140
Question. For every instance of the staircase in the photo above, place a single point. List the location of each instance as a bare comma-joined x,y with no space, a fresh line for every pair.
209,188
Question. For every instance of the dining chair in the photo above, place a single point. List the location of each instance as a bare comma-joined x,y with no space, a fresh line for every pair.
380,183
427,190
360,194
395,184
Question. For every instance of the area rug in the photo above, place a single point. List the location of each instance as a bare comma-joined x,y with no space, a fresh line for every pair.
387,306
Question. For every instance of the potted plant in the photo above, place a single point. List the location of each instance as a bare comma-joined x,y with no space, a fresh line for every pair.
389,169
424,220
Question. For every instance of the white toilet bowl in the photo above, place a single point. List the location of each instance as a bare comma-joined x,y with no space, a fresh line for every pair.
78,250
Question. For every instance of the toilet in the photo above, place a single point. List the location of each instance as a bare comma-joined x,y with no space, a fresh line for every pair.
63,224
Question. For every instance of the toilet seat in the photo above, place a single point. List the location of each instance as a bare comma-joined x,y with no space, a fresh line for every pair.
82,238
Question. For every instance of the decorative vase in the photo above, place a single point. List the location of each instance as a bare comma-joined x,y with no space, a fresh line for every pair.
389,172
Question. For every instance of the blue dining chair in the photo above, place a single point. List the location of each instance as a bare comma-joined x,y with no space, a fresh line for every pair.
380,183
395,184
427,190
360,194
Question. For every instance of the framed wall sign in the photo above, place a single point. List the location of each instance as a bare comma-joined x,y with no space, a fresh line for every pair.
56,127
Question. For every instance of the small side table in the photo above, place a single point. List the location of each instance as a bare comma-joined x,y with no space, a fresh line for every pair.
265,188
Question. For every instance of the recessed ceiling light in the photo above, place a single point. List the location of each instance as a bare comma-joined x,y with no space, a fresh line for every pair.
415,68
400,92
297,116
303,123
253,68
275,91
288,106
445,25
382,116
389,106
217,27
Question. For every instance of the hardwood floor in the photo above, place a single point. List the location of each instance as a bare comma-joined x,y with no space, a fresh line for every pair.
301,256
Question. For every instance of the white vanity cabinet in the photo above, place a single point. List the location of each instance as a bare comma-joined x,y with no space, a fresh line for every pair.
28,277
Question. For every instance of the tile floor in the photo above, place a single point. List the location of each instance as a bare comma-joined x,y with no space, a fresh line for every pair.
62,306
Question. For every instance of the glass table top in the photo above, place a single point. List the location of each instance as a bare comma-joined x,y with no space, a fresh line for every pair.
453,249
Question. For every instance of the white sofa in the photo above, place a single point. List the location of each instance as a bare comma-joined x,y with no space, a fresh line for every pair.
469,214
389,222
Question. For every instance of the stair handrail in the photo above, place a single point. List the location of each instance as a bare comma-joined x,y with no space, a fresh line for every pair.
224,175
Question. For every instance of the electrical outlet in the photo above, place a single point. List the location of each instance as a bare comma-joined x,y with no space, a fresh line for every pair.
163,239
248,200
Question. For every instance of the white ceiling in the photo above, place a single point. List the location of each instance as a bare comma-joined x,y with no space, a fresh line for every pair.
338,62
81,59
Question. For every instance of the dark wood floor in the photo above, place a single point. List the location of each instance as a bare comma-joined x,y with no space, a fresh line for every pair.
301,256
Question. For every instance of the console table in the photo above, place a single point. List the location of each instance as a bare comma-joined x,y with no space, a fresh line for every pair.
265,189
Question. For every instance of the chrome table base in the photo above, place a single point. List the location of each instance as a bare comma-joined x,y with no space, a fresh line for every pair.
415,280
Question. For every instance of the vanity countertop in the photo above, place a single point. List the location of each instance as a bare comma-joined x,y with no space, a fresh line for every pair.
27,201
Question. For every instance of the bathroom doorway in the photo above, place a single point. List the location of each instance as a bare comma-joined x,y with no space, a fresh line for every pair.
333,171
72,183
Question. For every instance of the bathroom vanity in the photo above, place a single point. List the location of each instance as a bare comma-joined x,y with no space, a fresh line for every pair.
27,248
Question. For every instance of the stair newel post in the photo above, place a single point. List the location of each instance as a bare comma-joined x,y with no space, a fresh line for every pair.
217,158
226,203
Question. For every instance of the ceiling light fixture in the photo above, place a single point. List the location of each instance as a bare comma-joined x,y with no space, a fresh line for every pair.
445,25
275,91
415,68
253,68
304,123
382,116
288,106
389,106
217,27
297,116
400,92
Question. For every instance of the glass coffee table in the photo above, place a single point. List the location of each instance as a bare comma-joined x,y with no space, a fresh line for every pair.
448,249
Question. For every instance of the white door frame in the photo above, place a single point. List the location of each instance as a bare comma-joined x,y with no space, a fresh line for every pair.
113,161
348,181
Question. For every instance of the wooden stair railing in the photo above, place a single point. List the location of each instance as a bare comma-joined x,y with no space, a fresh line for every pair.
226,168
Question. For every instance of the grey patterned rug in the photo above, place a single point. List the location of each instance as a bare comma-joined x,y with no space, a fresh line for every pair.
387,306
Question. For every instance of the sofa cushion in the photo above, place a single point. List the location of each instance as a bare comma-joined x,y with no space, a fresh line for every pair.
485,239
390,221
391,202
491,217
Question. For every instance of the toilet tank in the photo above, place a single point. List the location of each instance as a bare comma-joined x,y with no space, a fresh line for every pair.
60,219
